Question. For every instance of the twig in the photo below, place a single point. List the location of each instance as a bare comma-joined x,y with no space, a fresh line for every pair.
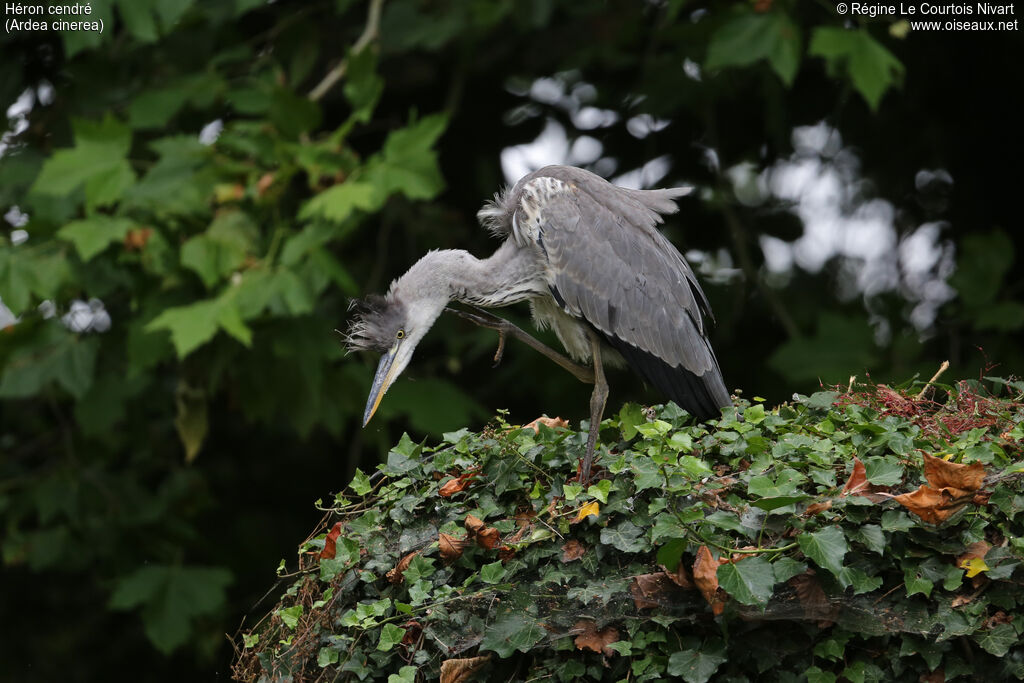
370,33
942,369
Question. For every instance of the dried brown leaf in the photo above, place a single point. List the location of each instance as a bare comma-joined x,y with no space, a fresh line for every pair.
458,670
590,638
680,577
413,631
331,542
933,505
573,550
705,576
473,524
942,474
975,551
813,599
858,484
488,538
553,422
395,575
451,547
817,508
452,486
653,590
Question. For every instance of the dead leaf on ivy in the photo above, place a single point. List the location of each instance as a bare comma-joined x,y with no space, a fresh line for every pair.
458,670
997,619
488,537
473,524
592,639
705,576
590,509
451,547
552,422
858,484
524,518
943,474
413,631
452,486
680,577
813,599
937,676
961,600
459,483
817,508
653,590
331,542
573,550
933,505
395,576
973,559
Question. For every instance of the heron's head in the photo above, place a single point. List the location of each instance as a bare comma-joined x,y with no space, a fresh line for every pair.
391,325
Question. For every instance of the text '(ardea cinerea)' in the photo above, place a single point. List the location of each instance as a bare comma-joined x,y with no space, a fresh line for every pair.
589,259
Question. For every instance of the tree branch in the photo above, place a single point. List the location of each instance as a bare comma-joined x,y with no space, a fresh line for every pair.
370,33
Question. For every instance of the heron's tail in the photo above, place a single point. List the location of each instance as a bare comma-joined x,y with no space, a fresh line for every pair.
703,396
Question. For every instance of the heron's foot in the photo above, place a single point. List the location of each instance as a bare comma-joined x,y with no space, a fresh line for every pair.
507,330
480,317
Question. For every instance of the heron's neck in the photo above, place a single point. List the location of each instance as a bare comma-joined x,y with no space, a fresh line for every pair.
506,277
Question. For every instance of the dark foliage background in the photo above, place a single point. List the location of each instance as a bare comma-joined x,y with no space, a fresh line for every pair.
172,392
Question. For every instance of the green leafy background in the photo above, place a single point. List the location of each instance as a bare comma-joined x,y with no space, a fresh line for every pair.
155,467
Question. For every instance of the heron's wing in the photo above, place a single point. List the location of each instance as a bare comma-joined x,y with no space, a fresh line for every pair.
610,265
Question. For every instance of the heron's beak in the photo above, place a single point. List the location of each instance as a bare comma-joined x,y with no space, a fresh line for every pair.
386,372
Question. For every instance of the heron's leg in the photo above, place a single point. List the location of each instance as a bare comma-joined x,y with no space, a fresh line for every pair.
504,328
597,401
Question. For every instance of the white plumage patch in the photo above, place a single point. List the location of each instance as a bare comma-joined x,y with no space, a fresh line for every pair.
528,218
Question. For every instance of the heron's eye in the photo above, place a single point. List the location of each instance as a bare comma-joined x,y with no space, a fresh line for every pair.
401,334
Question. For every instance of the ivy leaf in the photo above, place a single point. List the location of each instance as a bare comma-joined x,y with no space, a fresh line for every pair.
407,674
826,547
998,640
872,536
697,665
872,68
626,537
290,615
630,416
493,572
512,631
92,235
883,471
390,635
361,483
326,657
750,581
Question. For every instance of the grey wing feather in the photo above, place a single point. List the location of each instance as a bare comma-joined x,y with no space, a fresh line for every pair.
612,267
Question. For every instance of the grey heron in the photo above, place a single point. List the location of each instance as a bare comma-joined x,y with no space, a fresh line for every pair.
589,259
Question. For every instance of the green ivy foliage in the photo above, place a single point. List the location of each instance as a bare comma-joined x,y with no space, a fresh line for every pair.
224,264
817,578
